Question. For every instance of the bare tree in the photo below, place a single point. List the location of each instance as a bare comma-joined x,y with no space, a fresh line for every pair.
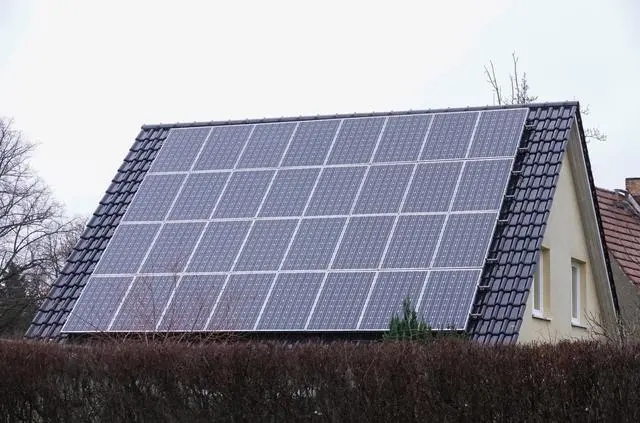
33,231
518,93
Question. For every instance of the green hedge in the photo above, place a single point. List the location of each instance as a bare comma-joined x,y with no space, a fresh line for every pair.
446,380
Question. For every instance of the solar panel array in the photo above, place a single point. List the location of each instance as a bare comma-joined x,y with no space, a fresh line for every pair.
317,225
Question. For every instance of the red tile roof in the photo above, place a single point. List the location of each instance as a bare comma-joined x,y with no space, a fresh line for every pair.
621,224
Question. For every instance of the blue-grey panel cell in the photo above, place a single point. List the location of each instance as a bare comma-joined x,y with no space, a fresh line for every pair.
482,185
341,301
154,197
127,249
450,136
143,306
180,149
447,298
266,245
432,187
403,136
498,133
172,248
289,192
192,302
243,194
222,149
413,242
241,302
363,242
219,246
336,191
383,189
290,302
266,145
388,296
198,196
356,140
98,303
311,143
465,240
314,243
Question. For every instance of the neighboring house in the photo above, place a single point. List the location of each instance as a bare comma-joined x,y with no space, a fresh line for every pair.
323,225
620,214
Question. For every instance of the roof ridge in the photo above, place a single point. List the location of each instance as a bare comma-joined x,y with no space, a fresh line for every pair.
357,115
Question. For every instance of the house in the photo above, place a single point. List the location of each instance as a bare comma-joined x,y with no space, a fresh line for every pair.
485,218
620,214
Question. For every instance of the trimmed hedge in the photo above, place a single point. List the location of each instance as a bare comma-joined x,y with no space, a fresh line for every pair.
445,380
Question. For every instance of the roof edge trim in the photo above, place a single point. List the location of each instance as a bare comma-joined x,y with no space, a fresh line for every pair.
354,115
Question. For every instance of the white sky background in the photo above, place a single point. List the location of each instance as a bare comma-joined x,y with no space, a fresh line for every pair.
81,77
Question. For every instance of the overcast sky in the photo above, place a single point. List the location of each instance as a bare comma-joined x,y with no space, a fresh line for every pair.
80,78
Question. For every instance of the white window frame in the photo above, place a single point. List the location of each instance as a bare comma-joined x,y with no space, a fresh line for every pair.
537,287
576,282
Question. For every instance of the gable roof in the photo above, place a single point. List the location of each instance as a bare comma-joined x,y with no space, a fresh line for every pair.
507,272
621,224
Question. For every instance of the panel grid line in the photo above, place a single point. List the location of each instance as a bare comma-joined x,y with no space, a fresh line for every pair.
446,217
346,223
157,235
298,223
393,227
204,229
253,221
291,271
334,165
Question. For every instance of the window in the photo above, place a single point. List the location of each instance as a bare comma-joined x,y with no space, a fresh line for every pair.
540,287
576,285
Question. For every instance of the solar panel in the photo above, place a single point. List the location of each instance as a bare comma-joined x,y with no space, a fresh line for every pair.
222,149
465,240
403,138
432,187
323,224
266,245
172,248
482,185
219,246
289,192
314,243
447,298
356,140
244,193
180,149
154,197
144,303
363,242
290,302
414,242
335,191
311,143
388,295
341,300
199,196
100,300
383,189
241,302
450,136
192,302
127,249
266,145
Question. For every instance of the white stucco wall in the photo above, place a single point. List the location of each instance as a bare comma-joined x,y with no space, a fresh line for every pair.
565,240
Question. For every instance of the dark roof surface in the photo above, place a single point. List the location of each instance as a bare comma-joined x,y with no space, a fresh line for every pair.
621,224
500,303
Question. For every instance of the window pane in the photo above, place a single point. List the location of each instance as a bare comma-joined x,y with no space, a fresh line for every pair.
575,291
536,290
